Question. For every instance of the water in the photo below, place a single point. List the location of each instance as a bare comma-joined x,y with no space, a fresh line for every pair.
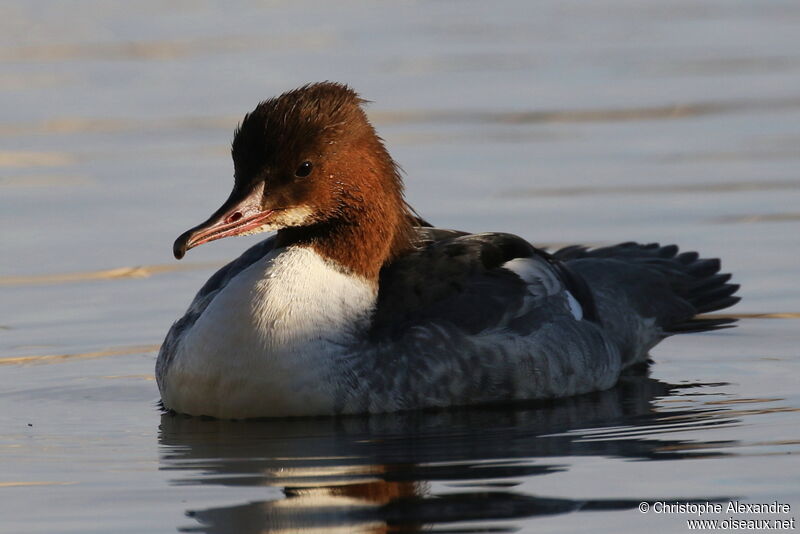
560,121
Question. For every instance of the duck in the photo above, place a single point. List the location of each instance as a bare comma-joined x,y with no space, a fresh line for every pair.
355,304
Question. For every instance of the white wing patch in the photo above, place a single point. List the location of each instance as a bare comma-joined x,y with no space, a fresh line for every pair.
525,268
574,306
536,272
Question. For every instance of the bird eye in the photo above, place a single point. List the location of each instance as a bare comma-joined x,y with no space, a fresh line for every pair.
303,170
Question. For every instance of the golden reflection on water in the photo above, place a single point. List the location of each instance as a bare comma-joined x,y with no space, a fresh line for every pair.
75,125
781,315
43,180
30,80
140,271
29,158
58,358
18,484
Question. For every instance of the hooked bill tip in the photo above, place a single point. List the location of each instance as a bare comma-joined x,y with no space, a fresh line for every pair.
179,247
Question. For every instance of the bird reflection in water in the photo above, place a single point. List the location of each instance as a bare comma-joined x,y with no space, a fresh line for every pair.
386,472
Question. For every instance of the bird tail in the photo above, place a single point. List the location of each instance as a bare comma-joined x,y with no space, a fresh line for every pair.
644,293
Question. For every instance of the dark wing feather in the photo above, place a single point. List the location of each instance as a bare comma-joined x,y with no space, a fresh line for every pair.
457,278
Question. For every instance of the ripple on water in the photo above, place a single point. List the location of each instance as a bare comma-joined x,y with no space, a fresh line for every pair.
440,468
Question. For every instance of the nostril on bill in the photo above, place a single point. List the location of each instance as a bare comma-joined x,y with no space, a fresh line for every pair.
233,217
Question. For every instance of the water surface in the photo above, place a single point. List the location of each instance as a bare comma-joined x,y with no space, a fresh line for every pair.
563,122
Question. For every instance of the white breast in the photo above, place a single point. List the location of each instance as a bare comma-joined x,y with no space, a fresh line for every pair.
268,342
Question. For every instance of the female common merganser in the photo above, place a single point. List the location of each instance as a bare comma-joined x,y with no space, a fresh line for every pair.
356,305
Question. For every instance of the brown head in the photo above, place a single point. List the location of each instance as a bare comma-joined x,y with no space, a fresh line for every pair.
310,165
